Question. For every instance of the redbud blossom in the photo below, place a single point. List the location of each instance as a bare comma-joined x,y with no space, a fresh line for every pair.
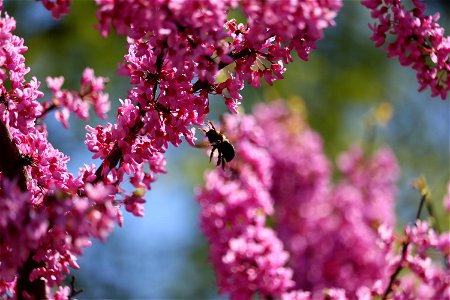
58,8
57,215
327,229
425,278
416,39
179,53
247,256
78,102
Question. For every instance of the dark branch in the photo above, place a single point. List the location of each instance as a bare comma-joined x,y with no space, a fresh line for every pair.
404,248
12,169
73,290
200,84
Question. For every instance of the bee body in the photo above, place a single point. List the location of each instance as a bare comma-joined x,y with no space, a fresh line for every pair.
220,143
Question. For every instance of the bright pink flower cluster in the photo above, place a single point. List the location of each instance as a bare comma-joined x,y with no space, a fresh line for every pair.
58,8
77,102
176,50
235,203
48,216
416,39
337,235
192,39
329,231
425,279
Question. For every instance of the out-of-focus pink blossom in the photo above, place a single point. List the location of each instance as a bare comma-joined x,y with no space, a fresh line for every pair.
326,228
335,294
247,256
21,228
375,179
296,295
62,293
58,8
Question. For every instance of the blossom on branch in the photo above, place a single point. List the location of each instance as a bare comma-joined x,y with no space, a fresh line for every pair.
276,223
335,239
91,92
416,39
329,234
235,204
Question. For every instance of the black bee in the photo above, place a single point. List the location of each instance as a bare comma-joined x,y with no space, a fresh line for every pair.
218,141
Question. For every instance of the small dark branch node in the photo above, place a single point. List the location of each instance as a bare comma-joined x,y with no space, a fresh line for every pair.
73,290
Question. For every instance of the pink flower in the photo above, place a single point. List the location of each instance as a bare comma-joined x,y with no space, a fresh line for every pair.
416,39
57,7
254,262
327,230
296,295
58,215
62,293
248,257
18,215
425,278
91,92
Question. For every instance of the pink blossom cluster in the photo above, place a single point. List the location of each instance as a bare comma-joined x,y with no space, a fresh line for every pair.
338,235
48,216
330,231
412,252
416,39
180,53
176,50
193,39
58,8
78,102
51,234
235,203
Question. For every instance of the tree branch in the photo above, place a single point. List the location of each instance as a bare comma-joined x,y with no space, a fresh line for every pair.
12,169
404,248
200,84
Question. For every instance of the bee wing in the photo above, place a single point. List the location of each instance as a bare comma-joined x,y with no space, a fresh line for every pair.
202,145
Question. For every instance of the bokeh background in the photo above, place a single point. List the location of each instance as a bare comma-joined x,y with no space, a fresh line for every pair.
164,255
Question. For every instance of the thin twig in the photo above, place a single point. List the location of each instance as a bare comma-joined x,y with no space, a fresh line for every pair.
73,290
422,201
404,251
